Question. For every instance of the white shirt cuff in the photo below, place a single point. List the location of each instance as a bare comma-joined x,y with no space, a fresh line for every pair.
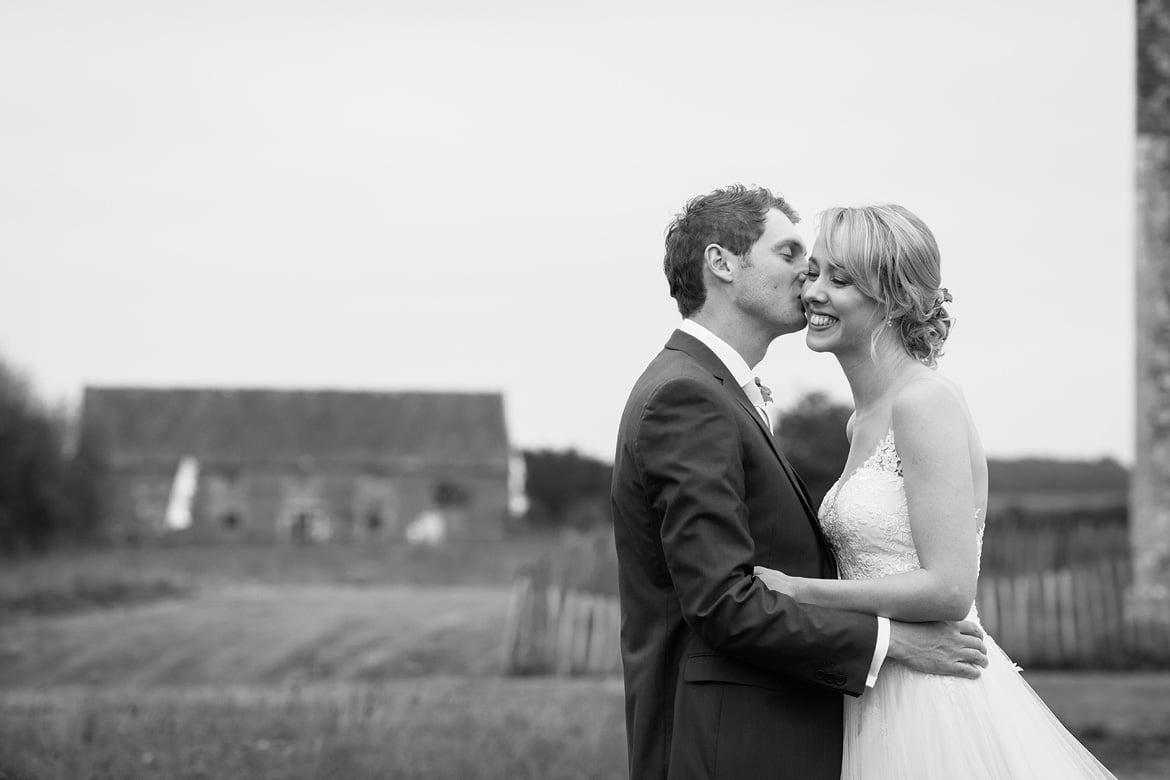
879,651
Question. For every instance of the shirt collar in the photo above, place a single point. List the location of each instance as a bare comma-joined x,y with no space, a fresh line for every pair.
732,360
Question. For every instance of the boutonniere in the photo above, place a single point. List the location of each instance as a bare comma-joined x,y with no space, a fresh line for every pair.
764,391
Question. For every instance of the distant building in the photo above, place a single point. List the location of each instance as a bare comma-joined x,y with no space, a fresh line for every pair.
301,465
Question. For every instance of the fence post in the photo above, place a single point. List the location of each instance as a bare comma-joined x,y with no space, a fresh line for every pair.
1113,613
1129,633
987,606
581,633
1085,637
598,635
1049,615
1066,624
514,624
1008,615
563,653
1022,592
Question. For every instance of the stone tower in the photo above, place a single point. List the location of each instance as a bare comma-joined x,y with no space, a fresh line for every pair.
1150,499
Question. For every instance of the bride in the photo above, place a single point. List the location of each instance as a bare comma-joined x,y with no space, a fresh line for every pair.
906,517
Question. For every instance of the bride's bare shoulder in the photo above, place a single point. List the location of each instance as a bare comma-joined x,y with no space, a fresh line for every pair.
929,402
930,389
932,424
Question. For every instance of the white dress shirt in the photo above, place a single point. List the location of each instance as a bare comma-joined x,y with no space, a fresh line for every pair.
743,374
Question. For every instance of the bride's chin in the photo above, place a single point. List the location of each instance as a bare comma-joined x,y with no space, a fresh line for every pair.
815,344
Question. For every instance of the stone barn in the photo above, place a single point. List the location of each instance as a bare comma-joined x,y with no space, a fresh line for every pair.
269,465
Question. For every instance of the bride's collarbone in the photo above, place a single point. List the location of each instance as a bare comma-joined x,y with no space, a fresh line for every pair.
864,448
869,431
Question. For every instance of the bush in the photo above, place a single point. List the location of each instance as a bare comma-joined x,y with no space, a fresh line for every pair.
46,496
812,435
567,489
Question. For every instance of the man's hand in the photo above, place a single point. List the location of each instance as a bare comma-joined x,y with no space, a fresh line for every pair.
954,649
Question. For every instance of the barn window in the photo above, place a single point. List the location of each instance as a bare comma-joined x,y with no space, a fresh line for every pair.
451,495
301,526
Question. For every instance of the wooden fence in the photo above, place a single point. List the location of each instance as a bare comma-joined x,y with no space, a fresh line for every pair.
1073,617
563,632
1016,542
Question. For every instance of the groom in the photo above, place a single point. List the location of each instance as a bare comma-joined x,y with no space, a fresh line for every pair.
725,678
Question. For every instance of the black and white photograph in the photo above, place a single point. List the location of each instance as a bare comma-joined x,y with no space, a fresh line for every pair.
561,391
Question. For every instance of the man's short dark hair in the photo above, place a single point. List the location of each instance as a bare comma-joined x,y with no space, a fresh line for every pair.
732,217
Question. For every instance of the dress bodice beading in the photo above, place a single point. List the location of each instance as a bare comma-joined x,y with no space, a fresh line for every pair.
866,519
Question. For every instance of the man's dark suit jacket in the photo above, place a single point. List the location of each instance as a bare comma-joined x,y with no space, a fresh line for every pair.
724,678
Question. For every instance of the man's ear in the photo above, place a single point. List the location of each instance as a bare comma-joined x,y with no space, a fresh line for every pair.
719,262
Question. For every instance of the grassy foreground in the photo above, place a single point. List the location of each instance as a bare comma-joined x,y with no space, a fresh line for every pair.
337,663
437,727
432,728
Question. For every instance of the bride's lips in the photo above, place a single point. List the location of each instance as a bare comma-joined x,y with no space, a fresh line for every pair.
819,321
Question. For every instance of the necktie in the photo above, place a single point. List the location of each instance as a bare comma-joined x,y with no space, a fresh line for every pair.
756,395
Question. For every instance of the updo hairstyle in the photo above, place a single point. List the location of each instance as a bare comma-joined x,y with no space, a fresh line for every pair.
892,257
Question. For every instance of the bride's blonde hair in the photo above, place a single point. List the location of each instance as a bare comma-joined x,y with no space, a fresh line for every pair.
892,257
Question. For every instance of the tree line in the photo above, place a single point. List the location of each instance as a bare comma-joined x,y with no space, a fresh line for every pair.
571,489
50,481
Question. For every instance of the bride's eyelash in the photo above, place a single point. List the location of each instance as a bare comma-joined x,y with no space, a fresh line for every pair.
813,274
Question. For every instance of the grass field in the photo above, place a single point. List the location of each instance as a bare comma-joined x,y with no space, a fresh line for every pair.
72,580
263,634
423,728
435,727
301,664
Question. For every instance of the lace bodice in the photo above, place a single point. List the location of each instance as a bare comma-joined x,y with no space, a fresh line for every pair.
867,521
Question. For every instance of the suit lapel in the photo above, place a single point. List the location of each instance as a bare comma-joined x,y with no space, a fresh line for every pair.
685,342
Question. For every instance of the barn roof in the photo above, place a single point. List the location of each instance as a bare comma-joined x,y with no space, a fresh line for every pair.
288,424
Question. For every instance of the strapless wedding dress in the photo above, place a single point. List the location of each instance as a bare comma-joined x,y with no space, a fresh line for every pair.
913,725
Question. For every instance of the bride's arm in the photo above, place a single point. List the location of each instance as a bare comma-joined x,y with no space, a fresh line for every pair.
930,431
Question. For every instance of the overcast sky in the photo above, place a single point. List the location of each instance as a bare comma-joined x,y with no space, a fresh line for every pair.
471,196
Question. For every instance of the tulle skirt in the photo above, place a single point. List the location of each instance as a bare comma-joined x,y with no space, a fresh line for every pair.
914,725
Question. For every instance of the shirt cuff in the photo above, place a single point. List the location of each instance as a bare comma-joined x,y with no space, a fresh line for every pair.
879,651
